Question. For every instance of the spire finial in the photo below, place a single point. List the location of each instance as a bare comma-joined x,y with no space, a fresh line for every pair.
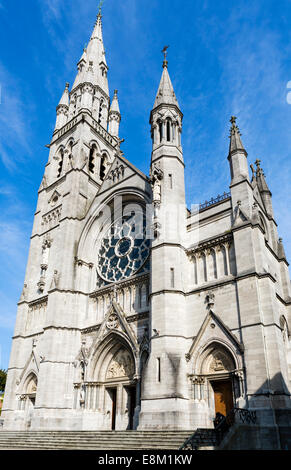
235,141
165,52
257,162
100,7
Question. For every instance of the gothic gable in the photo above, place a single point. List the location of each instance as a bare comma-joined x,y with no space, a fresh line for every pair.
31,366
213,330
114,322
122,172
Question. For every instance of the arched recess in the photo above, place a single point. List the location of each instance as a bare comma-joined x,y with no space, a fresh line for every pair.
264,225
29,390
110,382
286,345
60,160
218,377
114,345
104,165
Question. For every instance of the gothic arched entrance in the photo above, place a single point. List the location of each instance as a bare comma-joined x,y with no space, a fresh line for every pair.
114,378
218,365
120,389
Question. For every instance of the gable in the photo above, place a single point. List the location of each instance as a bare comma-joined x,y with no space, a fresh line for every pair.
123,173
213,330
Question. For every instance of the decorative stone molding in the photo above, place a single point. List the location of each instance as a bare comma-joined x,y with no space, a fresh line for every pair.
117,173
37,304
208,244
52,218
137,280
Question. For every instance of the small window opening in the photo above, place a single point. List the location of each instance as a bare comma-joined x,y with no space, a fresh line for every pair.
61,162
100,111
172,272
161,131
158,369
92,159
168,131
102,167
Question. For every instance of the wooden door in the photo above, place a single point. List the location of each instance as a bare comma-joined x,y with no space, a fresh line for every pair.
223,396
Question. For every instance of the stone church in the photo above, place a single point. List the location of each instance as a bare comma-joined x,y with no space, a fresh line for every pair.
136,312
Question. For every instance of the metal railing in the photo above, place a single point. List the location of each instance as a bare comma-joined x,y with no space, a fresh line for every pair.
214,200
222,424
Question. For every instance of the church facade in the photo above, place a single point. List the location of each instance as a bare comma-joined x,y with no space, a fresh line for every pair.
137,313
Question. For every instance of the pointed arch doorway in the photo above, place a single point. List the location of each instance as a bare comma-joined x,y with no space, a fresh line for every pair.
115,374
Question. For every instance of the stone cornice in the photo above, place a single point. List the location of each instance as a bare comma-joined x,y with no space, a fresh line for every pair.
215,241
129,319
216,285
280,260
154,160
137,316
85,116
139,279
284,302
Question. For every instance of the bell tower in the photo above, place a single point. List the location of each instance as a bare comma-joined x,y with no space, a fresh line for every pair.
83,146
165,377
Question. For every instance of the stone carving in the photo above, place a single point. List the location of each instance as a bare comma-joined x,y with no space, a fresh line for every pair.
117,173
52,218
210,298
24,292
220,362
41,284
121,365
55,280
156,178
112,322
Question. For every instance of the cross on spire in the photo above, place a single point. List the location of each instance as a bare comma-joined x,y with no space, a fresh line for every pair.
233,120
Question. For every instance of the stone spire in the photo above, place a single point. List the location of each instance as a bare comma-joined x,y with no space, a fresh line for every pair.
235,140
260,177
165,94
92,67
114,116
264,188
114,105
62,109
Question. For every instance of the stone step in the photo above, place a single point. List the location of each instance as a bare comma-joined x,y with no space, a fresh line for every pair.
90,440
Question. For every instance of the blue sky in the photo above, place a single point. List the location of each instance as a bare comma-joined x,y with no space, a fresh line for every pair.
225,58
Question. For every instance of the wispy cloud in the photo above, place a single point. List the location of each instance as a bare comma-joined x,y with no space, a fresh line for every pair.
14,129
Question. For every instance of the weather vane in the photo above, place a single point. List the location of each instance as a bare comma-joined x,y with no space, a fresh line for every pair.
100,6
165,51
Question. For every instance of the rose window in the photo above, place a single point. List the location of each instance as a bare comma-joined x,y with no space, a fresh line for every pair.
124,249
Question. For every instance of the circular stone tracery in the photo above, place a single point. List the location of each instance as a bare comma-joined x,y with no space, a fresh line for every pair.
124,249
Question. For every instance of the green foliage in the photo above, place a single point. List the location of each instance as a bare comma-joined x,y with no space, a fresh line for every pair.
3,375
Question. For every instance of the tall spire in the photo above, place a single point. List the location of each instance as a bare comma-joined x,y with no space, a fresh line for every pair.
165,94
235,140
92,67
